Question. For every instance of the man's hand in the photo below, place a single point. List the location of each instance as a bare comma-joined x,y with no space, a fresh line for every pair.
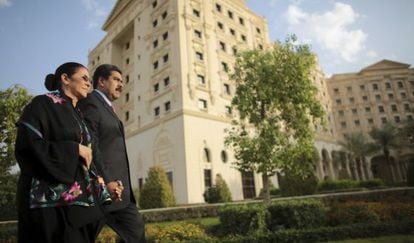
115,189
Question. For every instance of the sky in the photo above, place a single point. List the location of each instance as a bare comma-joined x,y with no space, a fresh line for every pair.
36,36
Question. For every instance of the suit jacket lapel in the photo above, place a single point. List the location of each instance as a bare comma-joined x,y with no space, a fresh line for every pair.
106,105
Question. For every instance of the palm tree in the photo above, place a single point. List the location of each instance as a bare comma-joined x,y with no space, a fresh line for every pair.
356,146
385,140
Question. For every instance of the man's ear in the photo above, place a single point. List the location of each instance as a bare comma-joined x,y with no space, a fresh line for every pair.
101,82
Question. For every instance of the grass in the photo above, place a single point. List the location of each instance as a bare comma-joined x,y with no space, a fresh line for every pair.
383,239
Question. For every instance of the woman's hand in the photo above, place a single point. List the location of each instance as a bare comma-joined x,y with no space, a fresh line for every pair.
86,154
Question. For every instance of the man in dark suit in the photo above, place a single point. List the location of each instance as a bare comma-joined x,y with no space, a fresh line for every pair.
110,151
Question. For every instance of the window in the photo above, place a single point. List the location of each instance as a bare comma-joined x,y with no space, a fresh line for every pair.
227,89
343,124
157,111
197,33
388,85
260,46
241,20
164,15
403,95
224,67
362,87
400,84
127,79
127,45
381,109
165,36
230,13
351,100
258,31
370,121
243,37
406,107
232,32
127,116
155,64
336,90
155,23
167,106
349,89
199,56
341,112
375,86
126,97
409,117
207,178
220,25
224,156
169,175
354,111
155,43
378,97
196,13
383,120
156,87
154,4
218,7
165,58
222,46
394,108
127,61
391,96
338,101
397,119
367,109
228,110
166,81
234,49
207,157
200,79
202,104
357,123
365,98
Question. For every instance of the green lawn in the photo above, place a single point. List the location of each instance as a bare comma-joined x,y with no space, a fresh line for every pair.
384,239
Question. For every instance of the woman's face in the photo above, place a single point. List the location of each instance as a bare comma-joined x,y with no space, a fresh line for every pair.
79,84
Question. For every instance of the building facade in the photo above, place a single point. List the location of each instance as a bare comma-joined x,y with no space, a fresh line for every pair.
176,57
380,93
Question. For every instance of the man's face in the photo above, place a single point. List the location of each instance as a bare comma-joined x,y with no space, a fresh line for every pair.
112,87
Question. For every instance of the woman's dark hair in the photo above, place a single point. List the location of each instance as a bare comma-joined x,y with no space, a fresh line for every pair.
53,82
104,71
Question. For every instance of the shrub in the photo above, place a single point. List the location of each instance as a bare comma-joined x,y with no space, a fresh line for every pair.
296,214
177,232
351,213
107,235
172,214
330,185
242,219
156,192
296,185
371,183
220,193
8,187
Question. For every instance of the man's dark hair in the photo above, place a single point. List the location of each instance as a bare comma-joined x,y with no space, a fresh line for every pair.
104,71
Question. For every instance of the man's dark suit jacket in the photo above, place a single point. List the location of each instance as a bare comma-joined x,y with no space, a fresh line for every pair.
108,145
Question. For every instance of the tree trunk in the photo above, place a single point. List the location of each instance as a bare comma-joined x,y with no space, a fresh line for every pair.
266,188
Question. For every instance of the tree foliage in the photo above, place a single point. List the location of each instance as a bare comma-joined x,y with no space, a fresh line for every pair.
12,102
157,191
276,101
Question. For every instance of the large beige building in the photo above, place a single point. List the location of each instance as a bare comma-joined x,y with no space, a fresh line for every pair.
176,56
380,93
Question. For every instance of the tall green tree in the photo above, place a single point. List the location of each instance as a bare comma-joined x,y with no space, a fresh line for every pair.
276,101
386,139
12,102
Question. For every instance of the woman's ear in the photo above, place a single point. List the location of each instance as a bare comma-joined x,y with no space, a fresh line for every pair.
65,79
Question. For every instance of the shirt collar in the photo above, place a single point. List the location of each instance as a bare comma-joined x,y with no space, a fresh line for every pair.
104,97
